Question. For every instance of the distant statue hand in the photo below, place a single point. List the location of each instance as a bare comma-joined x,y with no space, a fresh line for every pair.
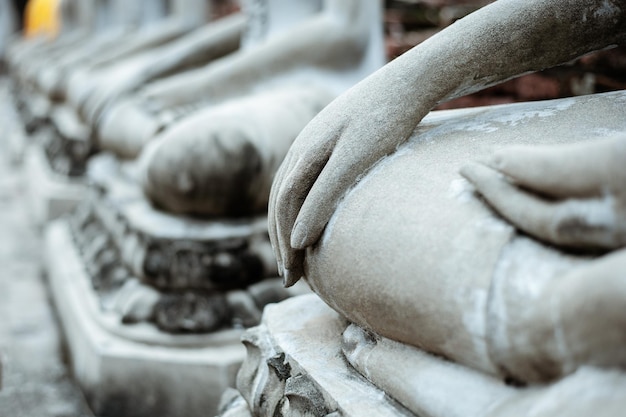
567,195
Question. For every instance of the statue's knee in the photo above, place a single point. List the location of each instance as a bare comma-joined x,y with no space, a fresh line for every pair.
216,174
125,128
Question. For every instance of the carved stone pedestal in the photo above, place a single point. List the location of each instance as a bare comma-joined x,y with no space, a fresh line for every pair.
295,367
152,304
69,145
134,370
50,194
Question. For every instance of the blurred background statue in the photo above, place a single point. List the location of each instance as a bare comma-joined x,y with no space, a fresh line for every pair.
217,138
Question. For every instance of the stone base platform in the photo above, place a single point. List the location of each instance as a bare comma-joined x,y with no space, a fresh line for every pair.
295,367
152,373
51,195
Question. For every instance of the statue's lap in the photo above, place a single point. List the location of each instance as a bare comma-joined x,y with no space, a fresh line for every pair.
413,240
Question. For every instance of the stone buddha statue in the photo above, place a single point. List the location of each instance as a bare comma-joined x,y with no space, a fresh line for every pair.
504,253
59,70
29,56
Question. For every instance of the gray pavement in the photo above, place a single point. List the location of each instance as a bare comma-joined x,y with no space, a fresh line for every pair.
34,377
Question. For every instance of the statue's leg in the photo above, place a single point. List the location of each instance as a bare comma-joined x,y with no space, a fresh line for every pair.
221,160
426,384
128,125
126,128
432,386
588,392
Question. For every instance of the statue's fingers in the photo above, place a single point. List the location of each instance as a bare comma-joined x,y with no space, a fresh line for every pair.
338,176
582,169
589,223
295,270
280,203
299,176
272,223
289,198
355,154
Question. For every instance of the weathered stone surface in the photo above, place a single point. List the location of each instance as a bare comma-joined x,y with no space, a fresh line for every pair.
134,370
451,275
371,207
294,366
370,121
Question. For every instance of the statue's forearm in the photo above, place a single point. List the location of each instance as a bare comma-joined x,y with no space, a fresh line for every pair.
317,43
156,34
503,40
204,44
210,42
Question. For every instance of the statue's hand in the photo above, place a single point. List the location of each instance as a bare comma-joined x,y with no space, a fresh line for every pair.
569,195
326,159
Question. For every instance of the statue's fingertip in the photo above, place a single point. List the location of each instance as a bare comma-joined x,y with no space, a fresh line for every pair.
290,278
299,235
496,161
468,171
464,170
